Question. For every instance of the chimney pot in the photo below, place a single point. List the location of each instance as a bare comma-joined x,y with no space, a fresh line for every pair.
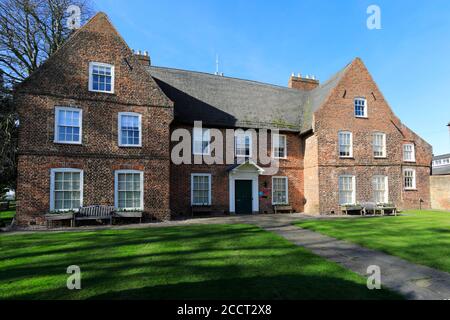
307,83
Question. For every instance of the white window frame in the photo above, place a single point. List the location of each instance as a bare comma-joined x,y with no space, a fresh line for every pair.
56,132
209,188
276,137
205,136
414,183
286,181
386,187
116,188
119,126
351,144
383,135
52,187
91,80
244,134
365,107
413,152
353,188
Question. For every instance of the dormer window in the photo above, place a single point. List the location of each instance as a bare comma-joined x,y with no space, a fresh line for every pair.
101,77
360,108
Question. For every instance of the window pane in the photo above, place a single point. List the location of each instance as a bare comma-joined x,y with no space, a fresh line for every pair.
130,130
129,190
279,186
200,191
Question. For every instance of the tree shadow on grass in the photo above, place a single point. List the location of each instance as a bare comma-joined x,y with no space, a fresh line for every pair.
283,287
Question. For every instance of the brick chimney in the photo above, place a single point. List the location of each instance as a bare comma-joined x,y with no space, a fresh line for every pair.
143,57
307,83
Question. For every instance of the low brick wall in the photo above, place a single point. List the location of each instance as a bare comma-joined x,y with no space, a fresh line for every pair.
440,192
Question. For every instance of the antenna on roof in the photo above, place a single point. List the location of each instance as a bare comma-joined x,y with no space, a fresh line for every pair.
217,65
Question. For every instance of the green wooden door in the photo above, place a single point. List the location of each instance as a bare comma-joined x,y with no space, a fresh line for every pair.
243,196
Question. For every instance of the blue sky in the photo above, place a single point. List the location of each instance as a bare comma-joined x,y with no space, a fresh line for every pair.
267,41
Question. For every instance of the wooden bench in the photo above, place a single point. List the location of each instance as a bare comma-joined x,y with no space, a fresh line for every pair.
95,213
345,209
129,215
50,218
200,210
388,208
283,208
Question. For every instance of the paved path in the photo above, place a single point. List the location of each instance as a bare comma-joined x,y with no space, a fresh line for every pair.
413,281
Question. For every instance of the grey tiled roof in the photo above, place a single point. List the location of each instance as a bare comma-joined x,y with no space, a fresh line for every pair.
231,102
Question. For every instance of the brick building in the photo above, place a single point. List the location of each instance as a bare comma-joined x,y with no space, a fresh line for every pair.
97,127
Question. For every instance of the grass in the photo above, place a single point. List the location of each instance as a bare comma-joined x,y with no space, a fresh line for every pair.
6,217
189,262
422,237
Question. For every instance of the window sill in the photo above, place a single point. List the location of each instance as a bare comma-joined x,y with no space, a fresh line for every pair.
412,189
361,117
384,157
130,146
350,158
98,91
409,161
68,143
276,158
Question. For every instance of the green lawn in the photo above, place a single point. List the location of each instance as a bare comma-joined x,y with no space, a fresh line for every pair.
7,215
189,262
421,237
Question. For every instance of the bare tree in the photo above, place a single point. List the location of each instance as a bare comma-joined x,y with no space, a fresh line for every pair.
32,30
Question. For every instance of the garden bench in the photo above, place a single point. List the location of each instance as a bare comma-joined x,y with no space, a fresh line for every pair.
352,207
129,215
200,209
50,218
283,208
95,213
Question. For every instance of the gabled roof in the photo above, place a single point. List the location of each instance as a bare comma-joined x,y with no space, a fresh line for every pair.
230,102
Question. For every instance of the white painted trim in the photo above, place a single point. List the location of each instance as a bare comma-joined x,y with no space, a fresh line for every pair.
56,131
208,152
384,155
285,146
116,188
286,179
244,175
339,144
353,186
52,186
245,134
91,82
365,107
386,187
413,152
209,188
119,128
414,185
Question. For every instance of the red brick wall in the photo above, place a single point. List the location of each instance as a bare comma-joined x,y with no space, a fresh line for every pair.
338,114
292,167
63,81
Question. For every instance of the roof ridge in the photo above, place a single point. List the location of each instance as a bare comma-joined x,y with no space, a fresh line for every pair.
232,78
